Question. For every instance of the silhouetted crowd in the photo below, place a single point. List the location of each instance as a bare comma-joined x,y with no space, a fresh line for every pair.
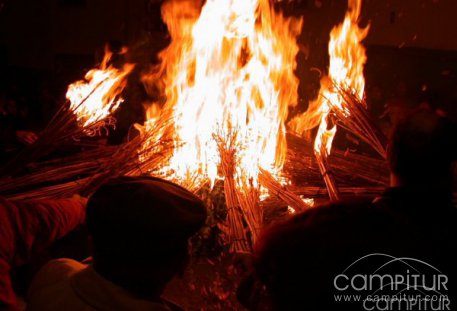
139,229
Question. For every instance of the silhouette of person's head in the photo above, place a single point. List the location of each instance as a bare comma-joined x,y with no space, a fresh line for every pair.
296,261
139,228
421,151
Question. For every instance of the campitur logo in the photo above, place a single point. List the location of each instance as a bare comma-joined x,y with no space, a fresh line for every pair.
383,282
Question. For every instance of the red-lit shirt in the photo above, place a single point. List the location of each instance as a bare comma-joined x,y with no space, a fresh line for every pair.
27,228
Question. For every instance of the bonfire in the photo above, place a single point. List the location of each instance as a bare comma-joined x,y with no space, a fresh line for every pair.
228,82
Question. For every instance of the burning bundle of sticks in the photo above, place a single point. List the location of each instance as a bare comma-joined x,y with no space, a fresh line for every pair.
359,122
236,234
244,213
143,155
91,104
341,96
88,111
290,198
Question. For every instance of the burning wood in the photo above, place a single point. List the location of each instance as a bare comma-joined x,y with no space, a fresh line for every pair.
248,197
239,71
237,234
275,188
91,103
94,99
359,121
237,76
347,59
327,175
145,154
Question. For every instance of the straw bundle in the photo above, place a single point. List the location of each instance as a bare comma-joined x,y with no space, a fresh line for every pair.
275,188
358,121
86,113
236,235
58,170
144,154
327,175
86,171
248,197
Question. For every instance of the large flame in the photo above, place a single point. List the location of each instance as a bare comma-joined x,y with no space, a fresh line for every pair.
228,70
97,96
347,60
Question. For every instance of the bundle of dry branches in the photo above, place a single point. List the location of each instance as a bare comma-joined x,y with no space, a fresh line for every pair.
53,137
327,175
349,168
58,170
275,188
249,197
143,155
85,172
236,234
86,113
358,121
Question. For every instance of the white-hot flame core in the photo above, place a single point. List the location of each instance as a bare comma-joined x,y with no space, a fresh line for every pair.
347,54
97,96
230,70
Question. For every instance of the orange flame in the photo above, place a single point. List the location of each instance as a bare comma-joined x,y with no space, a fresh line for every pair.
228,69
347,60
97,96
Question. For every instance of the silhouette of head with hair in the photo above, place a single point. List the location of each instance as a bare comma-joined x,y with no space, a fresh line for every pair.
421,152
296,261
